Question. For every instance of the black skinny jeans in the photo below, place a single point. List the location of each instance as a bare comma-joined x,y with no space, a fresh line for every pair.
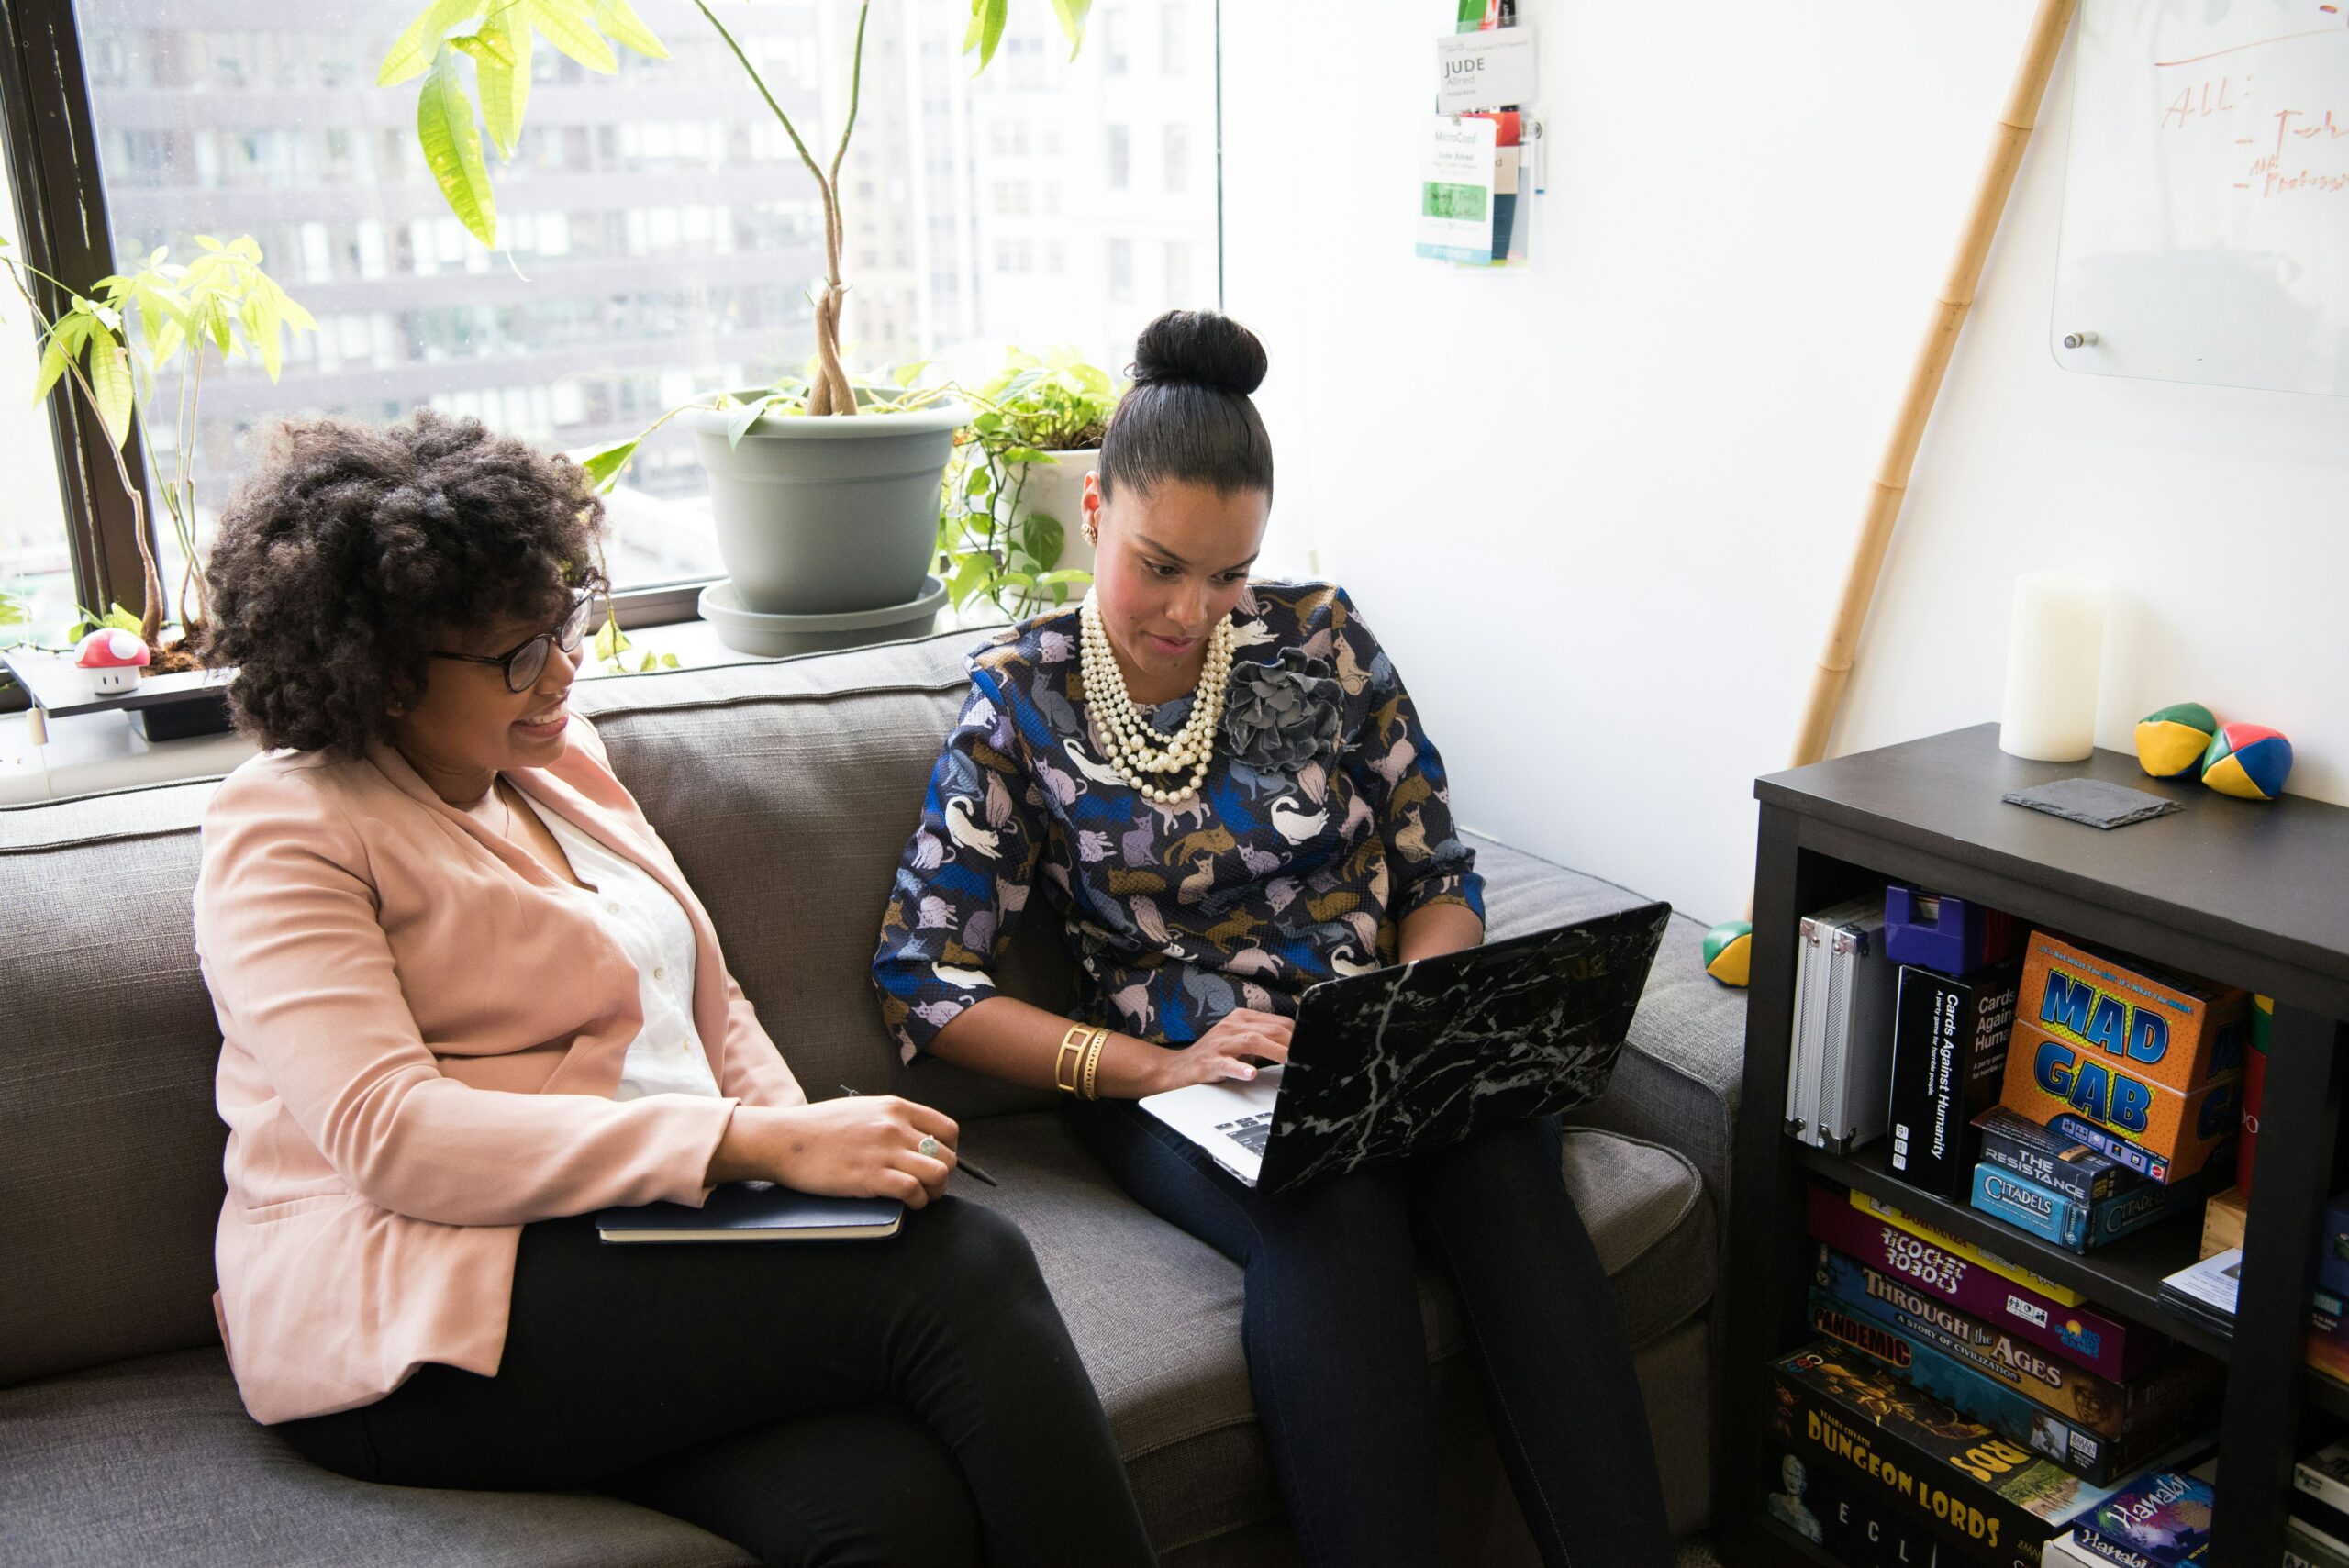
911,1401
1336,1357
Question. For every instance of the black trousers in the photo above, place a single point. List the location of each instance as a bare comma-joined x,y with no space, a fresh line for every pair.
1337,1358
912,1401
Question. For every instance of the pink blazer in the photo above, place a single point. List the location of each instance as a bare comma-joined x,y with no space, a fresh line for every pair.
421,1031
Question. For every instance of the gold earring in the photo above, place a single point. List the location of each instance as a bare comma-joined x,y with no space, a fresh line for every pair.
1092,531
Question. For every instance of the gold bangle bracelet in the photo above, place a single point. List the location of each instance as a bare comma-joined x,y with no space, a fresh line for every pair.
1068,1065
1092,1064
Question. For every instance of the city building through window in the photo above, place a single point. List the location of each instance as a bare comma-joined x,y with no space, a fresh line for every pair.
657,231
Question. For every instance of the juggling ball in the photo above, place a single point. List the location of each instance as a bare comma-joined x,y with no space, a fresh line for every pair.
2170,742
2248,761
1729,952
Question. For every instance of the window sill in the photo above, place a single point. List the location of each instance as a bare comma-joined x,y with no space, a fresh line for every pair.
102,751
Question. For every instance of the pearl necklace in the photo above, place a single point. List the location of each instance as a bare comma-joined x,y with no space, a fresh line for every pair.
1140,753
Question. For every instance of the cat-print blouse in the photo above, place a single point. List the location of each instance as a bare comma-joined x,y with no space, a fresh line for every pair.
1323,821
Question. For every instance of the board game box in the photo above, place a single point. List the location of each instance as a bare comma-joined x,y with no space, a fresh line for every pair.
2160,1520
1998,1501
2172,1394
1860,1529
1981,1255
2049,1076
1949,1058
2168,1030
2078,1170
2069,1222
2111,1346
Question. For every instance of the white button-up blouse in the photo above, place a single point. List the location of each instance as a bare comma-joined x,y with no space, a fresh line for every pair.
666,1057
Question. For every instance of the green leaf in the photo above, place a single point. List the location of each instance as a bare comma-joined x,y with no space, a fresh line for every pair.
452,145
970,575
1063,577
1043,538
668,660
506,92
567,26
52,365
978,483
412,54
1025,454
1072,14
486,43
605,464
110,385
610,641
624,26
12,608
987,16
739,422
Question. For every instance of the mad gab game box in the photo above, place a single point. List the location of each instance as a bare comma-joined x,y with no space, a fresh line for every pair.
2154,1058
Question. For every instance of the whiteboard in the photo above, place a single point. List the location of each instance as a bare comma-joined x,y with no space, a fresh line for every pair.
2206,204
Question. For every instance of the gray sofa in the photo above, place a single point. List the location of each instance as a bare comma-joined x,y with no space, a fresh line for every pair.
786,791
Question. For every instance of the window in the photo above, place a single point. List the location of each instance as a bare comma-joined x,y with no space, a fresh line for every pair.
1118,148
658,233
1174,39
1178,273
36,550
1178,158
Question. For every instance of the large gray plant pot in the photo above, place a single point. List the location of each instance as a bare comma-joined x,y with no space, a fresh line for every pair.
830,516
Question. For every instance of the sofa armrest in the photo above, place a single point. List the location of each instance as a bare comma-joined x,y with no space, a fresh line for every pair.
1678,1081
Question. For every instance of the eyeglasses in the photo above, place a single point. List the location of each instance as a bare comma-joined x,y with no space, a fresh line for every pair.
526,661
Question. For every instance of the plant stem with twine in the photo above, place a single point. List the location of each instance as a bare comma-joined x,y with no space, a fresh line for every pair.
831,392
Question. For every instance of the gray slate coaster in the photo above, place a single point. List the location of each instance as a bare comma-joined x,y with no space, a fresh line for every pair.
2092,801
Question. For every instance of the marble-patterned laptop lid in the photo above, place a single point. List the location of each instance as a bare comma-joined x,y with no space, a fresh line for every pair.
1426,1054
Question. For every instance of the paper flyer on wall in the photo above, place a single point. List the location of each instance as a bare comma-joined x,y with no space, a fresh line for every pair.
1456,190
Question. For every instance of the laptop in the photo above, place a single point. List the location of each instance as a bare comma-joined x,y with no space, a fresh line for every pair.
1420,1055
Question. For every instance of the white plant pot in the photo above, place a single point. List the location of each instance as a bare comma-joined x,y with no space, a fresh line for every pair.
1057,489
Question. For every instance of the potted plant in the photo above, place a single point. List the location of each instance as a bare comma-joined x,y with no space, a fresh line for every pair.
823,510
1014,500
113,346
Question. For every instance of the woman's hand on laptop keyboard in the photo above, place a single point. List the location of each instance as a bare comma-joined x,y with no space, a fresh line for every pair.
1232,1049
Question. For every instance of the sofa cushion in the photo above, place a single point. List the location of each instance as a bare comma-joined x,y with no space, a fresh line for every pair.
154,1461
1155,1314
111,1183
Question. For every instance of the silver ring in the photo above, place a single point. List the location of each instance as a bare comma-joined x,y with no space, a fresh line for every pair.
928,1146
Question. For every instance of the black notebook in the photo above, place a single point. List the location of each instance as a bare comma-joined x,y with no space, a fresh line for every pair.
755,1211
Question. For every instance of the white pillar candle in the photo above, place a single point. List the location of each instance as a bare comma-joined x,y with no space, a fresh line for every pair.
2055,655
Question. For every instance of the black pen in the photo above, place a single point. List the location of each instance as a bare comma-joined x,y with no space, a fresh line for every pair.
960,1163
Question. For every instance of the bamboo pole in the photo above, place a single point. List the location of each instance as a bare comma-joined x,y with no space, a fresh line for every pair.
1890,487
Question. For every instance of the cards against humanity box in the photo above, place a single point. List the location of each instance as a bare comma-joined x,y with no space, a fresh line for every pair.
1949,1058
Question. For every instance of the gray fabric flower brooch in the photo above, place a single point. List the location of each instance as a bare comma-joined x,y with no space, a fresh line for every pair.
1278,717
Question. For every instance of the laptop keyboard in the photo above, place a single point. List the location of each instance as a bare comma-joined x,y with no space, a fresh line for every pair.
1251,1132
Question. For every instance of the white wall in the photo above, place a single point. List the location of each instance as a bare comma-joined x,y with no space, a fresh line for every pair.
1598,512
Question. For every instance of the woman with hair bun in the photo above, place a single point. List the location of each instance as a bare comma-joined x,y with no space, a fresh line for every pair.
1224,795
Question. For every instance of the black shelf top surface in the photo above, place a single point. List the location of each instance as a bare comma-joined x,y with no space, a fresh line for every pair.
2125,1277
2271,876
61,688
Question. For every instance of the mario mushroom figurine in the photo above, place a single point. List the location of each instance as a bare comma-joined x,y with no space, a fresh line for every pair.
114,659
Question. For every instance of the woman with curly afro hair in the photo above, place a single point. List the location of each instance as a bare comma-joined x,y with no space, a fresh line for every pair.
466,1000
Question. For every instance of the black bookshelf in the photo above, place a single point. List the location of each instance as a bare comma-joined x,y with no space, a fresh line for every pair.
2252,894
